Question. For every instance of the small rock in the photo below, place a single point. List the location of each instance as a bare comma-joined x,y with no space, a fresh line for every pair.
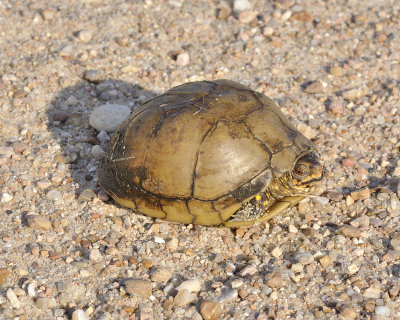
161,275
247,16
350,232
307,131
192,285
46,303
182,59
382,311
54,195
93,76
268,31
348,312
276,252
87,195
348,162
303,16
249,270
326,261
314,87
192,314
304,258
184,298
79,314
297,267
139,287
224,13
48,14
240,5
395,243
108,117
293,229
210,310
97,152
103,196
38,222
5,197
12,297
172,244
3,275
372,293
361,194
103,137
336,70
354,94
94,255
275,280
352,269
85,35
321,200
31,290
227,296
335,105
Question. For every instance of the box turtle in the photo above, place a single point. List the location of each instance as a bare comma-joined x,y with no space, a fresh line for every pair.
201,151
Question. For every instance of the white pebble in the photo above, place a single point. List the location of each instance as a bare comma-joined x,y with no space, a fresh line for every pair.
182,59
31,290
108,117
5,197
241,5
12,297
79,314
192,285
103,137
85,35
159,240
94,255
383,311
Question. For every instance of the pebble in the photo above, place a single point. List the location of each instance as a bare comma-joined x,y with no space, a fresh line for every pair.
372,293
307,131
348,312
314,87
172,244
46,303
354,94
210,310
108,117
12,297
293,229
304,258
361,194
348,162
395,243
161,275
184,297
382,311
275,280
350,232
182,59
248,270
48,14
31,290
192,314
95,255
240,5
103,137
247,16
54,195
85,35
5,197
87,195
352,269
93,76
139,287
192,285
38,222
303,16
326,261
224,13
335,105
228,296
97,152
79,314
276,252
3,275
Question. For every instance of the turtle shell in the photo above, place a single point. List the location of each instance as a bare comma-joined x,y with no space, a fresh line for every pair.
198,152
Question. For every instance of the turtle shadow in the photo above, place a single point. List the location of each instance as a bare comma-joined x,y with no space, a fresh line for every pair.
68,121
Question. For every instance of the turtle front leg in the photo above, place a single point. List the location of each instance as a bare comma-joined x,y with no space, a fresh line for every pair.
277,208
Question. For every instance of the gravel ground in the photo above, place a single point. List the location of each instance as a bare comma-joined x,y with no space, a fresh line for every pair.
67,252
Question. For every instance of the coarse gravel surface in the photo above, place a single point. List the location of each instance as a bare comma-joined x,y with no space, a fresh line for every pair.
68,252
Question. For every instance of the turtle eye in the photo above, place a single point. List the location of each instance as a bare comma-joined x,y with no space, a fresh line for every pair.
300,170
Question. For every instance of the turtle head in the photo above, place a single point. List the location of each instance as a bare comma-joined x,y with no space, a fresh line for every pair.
306,173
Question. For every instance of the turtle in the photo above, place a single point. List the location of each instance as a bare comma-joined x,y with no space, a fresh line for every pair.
201,151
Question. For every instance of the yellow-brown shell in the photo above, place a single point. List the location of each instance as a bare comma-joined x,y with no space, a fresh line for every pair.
199,151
